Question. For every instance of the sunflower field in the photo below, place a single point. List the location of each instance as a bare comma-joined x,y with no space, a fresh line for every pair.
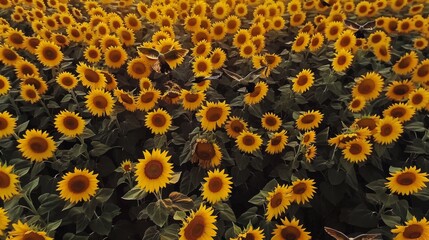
204,119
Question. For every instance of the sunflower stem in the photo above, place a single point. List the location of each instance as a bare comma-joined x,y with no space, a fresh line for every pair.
73,94
30,204
15,136
46,108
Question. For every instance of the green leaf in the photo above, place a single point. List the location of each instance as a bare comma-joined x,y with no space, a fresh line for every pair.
157,212
170,232
136,193
21,127
336,177
99,148
179,215
51,227
259,198
87,133
225,212
416,127
175,178
104,194
390,220
270,185
101,225
180,201
30,186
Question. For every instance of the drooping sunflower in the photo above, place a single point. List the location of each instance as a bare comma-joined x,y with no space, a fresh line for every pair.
407,181
406,63
30,94
399,90
277,142
234,126
79,185
22,231
158,121
301,42
278,201
357,104
357,150
258,94
309,120
310,152
92,54
342,61
148,98
217,186
342,139
302,190
99,102
4,220
8,183
206,154
303,81
368,86
251,233
69,123
37,145
308,138
388,130
199,225
126,99
421,72
402,111
90,77
419,98
413,229
154,170
192,100
7,124
213,115
290,230
67,80
248,142
271,121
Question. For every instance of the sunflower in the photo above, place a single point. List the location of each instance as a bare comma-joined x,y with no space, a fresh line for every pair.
4,85
390,25
148,98
405,25
248,142
115,57
217,58
8,56
418,98
68,123
127,166
303,81
241,9
258,94
308,138
158,121
402,111
232,24
202,67
368,86
192,23
342,139
369,122
30,94
4,220
213,115
342,61
302,190
310,152
234,126
8,183
413,229
126,99
407,181
206,154
421,72
271,121
290,230
333,30
406,63
217,186
67,80
139,68
420,43
40,85
399,90
132,22
23,231
241,37
258,42
316,42
99,102
92,54
357,104
277,142
357,150
382,52
79,185
250,233
201,34
145,83
90,77
362,8
24,67
346,41
247,50
220,10
199,225
7,124
37,145
388,130
278,201
297,18
15,38
192,100
218,31
60,40
301,42
309,120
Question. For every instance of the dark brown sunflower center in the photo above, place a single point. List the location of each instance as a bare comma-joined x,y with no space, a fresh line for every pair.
126,98
300,41
302,80
306,138
231,24
38,144
355,149
270,121
256,92
241,38
423,71
309,118
398,112
220,11
300,188
276,140
393,25
27,69
290,233
195,228
191,97
214,114
115,55
276,200
3,123
417,99
60,39
405,62
334,30
215,184
153,169
126,35
71,123
2,84
32,236
133,22
366,86
218,30
376,38
345,41
386,130
93,53
16,38
192,22
159,120
91,75
383,51
78,184
237,126
31,93
146,85
248,140
147,97
4,180
215,58
297,18
406,178
205,151
315,42
248,50
202,66
67,81
363,9
33,81
413,231
356,103
367,122
75,33
341,60
249,236
9,55
100,102
401,89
